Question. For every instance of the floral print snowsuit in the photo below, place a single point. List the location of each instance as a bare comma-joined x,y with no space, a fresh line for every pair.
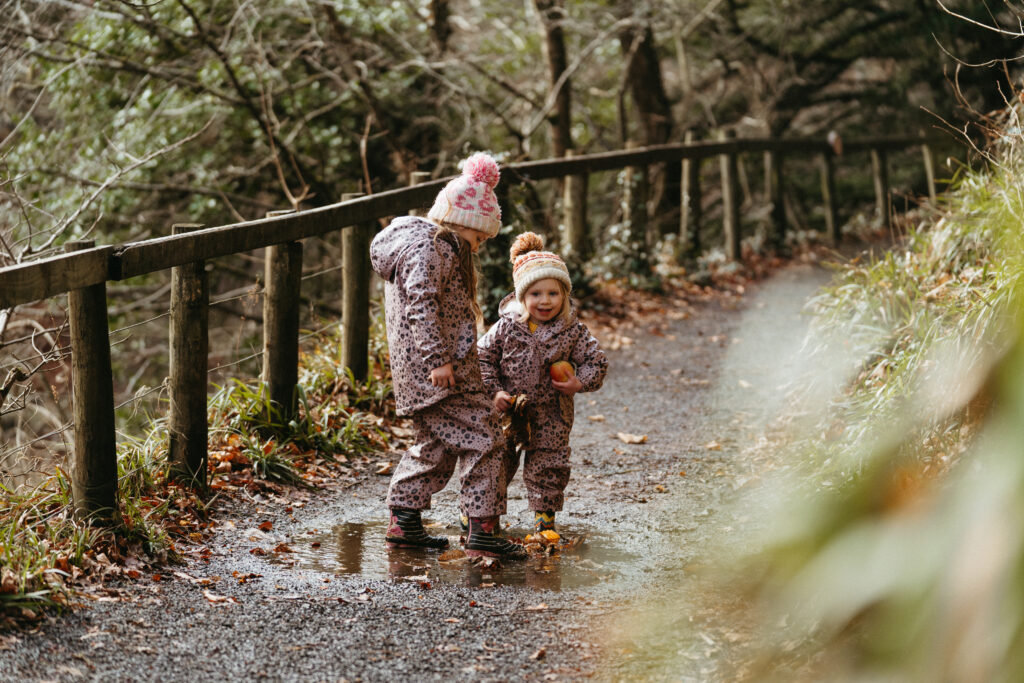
516,360
430,322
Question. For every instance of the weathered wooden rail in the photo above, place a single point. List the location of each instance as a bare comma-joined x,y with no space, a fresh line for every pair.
84,270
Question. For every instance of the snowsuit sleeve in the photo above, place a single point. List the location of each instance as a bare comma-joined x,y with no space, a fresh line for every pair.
489,350
590,361
424,273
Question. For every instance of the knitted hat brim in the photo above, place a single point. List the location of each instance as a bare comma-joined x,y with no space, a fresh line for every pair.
536,274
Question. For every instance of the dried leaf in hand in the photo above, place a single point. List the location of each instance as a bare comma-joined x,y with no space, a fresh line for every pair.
632,438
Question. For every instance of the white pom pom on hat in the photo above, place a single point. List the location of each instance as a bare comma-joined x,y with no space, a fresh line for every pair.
468,201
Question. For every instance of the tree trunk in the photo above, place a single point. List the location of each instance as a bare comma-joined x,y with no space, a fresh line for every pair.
552,14
440,29
654,112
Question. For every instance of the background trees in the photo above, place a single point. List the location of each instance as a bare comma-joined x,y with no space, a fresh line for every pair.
216,111
121,118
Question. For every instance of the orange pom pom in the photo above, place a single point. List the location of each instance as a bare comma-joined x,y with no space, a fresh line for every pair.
524,244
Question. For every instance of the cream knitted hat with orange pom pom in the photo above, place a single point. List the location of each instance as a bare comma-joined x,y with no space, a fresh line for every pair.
530,263
469,200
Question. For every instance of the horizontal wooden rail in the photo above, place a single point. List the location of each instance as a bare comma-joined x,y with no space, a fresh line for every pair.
55,275
48,277
84,271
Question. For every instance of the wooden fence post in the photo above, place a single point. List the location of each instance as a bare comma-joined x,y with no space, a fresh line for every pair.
634,211
929,169
775,189
828,197
415,178
880,171
94,470
574,215
691,201
190,314
355,296
283,275
730,201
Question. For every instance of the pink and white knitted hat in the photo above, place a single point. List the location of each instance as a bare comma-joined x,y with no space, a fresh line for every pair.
530,264
469,200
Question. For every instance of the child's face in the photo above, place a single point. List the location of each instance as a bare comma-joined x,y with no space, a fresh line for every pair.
474,237
544,299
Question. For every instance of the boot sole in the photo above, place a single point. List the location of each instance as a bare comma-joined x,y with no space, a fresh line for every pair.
496,556
396,543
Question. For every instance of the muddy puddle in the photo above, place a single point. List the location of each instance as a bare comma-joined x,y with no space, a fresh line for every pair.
358,549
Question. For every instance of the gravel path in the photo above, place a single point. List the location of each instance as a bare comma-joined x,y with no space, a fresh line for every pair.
698,382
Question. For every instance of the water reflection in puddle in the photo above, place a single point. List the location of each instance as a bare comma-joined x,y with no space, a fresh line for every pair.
359,549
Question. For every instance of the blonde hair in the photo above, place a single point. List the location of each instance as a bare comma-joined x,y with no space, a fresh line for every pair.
466,266
566,310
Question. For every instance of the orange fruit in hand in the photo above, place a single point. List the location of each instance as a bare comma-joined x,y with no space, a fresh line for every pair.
561,371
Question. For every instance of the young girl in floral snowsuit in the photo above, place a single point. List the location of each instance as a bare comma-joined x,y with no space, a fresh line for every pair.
537,327
431,314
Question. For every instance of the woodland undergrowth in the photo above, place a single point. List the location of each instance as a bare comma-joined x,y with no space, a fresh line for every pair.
890,544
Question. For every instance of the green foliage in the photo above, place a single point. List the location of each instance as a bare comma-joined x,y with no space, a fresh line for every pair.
141,464
335,415
894,551
37,536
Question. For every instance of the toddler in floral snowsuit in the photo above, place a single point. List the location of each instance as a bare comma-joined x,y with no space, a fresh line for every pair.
537,327
431,314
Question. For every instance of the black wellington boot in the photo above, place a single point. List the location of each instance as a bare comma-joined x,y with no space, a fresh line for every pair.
483,542
406,531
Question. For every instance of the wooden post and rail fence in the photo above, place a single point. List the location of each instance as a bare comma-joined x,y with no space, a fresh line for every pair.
83,271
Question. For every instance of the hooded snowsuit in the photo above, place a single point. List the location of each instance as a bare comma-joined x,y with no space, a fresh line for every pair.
516,360
430,322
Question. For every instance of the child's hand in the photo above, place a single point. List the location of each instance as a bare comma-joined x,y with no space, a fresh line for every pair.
569,386
502,401
443,376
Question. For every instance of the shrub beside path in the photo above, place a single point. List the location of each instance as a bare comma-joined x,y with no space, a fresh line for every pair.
302,589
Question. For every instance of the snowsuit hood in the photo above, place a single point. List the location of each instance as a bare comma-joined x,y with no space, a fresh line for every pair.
428,312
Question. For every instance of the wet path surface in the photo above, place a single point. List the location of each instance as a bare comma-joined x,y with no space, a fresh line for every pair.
698,383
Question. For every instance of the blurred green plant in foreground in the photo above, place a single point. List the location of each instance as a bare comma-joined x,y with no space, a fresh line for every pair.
886,533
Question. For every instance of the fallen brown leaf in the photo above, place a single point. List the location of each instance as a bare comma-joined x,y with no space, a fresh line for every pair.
632,438
385,468
596,418
453,555
218,599
266,526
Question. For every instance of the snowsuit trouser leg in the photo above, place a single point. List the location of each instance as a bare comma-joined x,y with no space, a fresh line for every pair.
546,464
546,474
461,429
